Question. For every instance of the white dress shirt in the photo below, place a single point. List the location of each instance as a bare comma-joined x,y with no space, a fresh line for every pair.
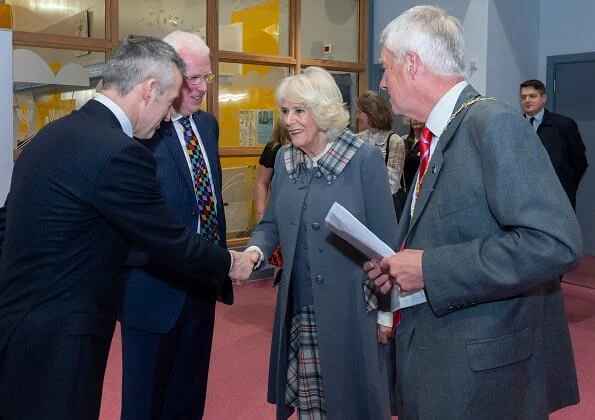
436,123
438,119
538,119
118,113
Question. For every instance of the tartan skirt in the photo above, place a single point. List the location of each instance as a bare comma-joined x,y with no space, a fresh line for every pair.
304,378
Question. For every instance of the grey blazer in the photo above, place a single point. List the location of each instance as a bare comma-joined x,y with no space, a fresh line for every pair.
352,361
497,231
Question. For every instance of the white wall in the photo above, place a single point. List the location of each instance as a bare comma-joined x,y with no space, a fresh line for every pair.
565,28
513,48
5,114
500,37
473,15
330,21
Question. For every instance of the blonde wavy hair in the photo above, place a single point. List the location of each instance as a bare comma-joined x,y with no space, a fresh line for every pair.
317,92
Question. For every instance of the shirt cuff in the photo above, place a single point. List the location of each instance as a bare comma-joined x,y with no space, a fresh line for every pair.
230,262
385,318
257,249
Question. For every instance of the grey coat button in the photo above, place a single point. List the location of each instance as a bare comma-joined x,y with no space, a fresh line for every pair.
318,174
315,226
319,279
329,177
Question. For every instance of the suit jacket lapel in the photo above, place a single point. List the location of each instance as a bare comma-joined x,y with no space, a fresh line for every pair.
437,159
170,137
545,121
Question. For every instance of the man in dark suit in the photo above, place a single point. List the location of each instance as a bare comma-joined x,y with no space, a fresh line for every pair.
82,191
485,233
167,324
559,135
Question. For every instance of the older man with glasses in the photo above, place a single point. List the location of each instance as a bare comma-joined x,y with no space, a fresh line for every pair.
167,331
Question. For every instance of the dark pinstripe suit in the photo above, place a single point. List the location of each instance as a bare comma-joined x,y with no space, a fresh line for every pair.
81,192
167,329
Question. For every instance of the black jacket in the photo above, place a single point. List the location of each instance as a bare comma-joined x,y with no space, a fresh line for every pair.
564,145
81,193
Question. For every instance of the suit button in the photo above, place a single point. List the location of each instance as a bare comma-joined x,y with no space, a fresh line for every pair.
319,279
194,213
329,178
315,226
318,174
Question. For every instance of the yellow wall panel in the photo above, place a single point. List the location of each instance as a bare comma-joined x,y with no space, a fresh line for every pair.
260,35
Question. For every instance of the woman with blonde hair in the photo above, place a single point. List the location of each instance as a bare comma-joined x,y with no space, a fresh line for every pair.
326,361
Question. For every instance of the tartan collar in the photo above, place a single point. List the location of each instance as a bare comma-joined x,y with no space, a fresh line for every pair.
331,164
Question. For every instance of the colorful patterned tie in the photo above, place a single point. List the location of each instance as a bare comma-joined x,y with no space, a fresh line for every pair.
205,197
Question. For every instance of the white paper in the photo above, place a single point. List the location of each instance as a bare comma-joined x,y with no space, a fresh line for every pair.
345,225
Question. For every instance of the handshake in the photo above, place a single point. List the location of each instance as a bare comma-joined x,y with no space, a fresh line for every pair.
243,265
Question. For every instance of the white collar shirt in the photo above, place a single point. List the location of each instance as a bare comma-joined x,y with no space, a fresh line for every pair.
437,121
118,113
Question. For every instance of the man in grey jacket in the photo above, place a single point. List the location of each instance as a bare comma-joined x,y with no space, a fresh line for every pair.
485,233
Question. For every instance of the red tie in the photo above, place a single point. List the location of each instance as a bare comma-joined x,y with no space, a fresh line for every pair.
424,151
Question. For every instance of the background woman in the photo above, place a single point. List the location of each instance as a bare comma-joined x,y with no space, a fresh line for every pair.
264,175
266,162
412,152
322,326
375,117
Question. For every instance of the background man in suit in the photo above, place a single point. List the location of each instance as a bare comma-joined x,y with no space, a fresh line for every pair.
82,191
167,325
485,231
559,135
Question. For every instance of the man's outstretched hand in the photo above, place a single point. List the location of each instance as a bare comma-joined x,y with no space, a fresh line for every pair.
243,265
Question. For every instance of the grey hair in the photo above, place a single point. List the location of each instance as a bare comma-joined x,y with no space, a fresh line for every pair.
316,90
139,58
428,31
187,41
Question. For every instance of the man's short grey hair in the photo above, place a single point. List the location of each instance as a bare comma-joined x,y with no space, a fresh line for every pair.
139,58
428,31
189,42
316,90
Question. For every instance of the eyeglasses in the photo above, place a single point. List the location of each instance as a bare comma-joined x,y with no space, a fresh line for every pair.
197,78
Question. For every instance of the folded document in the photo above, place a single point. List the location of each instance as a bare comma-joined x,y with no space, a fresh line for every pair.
345,225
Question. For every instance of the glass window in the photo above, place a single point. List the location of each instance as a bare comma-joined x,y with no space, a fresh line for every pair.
330,29
247,108
81,18
161,17
247,112
239,175
46,94
254,26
